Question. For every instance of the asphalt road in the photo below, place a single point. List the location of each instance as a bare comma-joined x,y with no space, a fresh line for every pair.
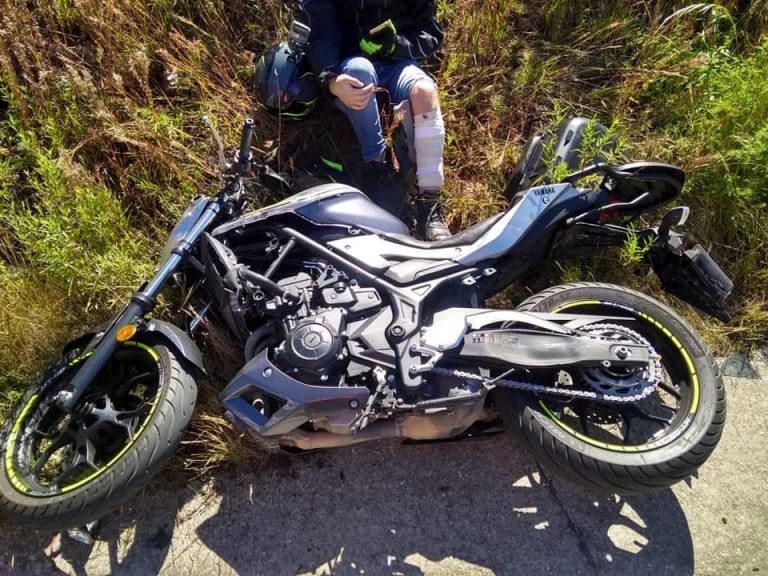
467,508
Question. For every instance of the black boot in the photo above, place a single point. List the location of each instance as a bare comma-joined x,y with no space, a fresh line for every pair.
430,221
381,183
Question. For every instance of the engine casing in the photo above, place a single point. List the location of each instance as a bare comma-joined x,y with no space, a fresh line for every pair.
314,348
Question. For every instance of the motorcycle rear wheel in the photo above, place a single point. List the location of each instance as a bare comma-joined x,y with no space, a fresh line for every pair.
628,448
62,470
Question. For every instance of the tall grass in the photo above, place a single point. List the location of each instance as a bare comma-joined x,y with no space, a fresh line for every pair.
101,144
679,83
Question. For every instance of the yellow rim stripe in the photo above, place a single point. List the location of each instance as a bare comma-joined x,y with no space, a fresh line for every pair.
12,476
687,357
17,426
136,436
688,361
587,439
572,304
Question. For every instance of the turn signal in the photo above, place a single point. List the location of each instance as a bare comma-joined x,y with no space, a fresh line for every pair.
126,333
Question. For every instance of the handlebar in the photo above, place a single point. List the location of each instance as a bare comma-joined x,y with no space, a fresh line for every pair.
244,152
243,164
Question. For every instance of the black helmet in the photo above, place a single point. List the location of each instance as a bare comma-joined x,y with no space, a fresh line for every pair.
283,86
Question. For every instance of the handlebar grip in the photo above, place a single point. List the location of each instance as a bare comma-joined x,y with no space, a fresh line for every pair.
244,154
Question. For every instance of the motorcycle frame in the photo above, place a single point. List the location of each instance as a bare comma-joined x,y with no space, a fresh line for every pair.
525,225
409,302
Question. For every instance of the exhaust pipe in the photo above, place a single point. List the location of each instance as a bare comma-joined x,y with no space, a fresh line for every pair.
315,440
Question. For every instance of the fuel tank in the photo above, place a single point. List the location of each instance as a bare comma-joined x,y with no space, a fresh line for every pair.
327,204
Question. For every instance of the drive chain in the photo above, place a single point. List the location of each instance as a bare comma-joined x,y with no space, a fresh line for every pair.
551,390
567,391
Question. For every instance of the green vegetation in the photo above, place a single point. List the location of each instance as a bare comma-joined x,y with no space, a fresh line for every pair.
101,144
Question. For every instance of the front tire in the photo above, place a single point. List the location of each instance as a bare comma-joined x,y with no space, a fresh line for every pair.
625,448
63,470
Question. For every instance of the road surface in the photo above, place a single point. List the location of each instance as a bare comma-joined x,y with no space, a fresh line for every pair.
467,508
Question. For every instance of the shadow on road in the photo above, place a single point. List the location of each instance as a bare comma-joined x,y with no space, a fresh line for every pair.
474,507
440,508
134,540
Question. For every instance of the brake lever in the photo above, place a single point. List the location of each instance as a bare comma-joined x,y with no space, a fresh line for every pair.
223,164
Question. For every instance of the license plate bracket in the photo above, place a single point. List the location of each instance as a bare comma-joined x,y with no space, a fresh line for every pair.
693,276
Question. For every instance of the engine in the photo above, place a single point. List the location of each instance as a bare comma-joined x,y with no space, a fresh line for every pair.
326,335
313,347
316,344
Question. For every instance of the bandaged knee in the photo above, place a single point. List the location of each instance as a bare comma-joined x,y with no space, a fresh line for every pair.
429,142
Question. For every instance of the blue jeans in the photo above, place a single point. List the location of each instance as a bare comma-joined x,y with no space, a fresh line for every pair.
397,78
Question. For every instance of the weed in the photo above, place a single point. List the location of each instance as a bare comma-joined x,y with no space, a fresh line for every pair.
634,250
101,144
33,320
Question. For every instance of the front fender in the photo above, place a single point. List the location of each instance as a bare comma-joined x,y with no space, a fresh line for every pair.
178,340
171,335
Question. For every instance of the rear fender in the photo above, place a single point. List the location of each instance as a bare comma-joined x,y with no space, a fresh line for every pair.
693,276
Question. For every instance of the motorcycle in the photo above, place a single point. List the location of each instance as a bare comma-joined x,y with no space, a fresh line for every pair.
352,331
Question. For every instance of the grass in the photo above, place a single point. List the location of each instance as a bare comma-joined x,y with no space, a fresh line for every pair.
31,325
211,441
101,144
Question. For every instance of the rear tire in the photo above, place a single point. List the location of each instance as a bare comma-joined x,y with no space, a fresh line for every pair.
569,440
140,410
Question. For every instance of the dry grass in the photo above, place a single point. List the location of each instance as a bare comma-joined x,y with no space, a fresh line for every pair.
31,322
211,440
101,144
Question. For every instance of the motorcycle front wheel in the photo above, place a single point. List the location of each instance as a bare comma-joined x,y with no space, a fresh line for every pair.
630,447
61,469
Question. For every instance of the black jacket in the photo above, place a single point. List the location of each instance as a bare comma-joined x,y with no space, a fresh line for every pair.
338,25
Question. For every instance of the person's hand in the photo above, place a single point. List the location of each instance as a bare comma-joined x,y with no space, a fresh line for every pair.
352,93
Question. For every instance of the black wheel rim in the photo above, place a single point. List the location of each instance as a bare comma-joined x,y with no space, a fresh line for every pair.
648,424
50,452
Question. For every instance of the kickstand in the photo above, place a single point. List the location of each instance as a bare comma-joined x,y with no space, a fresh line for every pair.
84,534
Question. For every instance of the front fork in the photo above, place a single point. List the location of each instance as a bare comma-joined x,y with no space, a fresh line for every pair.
142,302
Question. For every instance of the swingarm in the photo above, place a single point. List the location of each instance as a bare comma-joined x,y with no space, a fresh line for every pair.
530,340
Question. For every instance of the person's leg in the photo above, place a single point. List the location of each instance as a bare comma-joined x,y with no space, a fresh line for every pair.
378,175
428,135
413,84
364,122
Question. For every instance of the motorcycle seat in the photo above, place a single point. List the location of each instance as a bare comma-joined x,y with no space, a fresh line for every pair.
463,238
662,182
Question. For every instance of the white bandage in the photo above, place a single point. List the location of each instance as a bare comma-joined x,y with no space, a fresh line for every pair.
429,141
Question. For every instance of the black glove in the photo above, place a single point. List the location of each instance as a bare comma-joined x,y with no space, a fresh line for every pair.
381,41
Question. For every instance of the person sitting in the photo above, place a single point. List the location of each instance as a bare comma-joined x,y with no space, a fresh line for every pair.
359,46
